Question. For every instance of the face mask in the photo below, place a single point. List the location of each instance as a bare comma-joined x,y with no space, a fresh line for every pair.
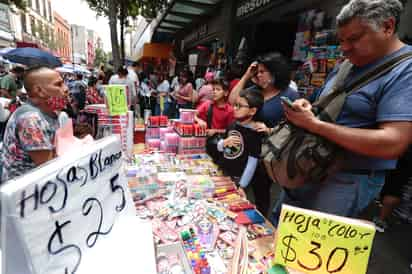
57,103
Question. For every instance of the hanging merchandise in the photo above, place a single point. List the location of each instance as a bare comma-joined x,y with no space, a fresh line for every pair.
317,49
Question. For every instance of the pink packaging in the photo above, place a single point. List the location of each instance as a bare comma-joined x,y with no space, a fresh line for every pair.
153,143
164,131
187,116
171,139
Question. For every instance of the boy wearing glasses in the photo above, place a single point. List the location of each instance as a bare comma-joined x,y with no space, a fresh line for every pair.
242,144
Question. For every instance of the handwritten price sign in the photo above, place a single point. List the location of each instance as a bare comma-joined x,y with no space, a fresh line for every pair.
61,214
315,242
116,99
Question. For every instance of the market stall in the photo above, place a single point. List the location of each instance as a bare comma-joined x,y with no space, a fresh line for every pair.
159,207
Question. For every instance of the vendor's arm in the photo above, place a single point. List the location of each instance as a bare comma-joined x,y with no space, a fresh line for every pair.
388,141
249,171
41,156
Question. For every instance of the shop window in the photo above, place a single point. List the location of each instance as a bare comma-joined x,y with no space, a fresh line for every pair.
33,26
38,6
50,12
23,22
44,9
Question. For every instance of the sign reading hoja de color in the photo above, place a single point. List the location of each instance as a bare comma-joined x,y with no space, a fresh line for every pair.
320,243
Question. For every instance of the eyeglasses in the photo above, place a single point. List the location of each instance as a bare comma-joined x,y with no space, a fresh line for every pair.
237,105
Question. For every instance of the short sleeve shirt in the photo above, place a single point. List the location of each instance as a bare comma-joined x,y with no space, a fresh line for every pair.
222,117
9,83
386,99
272,111
184,91
205,93
235,158
27,130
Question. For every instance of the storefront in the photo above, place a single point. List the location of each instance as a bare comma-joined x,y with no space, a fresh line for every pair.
205,45
200,30
271,25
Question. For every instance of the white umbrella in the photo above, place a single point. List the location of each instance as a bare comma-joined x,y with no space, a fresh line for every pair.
64,70
5,50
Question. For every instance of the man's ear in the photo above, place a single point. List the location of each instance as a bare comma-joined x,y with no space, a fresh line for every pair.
389,26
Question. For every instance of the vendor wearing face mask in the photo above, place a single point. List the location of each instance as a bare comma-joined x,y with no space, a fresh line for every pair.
29,135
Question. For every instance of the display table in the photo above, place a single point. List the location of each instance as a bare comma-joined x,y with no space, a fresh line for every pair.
186,197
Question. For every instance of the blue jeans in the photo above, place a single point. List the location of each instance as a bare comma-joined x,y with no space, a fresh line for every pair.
343,194
166,110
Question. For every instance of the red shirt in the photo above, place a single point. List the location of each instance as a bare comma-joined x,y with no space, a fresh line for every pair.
222,116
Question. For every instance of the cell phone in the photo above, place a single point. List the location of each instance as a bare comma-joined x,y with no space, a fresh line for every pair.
287,101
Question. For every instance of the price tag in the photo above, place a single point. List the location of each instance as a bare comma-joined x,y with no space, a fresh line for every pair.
116,99
315,242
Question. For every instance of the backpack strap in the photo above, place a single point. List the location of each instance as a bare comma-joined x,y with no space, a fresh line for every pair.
209,116
329,107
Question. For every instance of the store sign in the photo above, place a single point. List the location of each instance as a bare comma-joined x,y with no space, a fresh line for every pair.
116,99
318,243
250,6
74,215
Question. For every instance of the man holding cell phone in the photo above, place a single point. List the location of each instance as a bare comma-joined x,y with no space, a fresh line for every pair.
375,124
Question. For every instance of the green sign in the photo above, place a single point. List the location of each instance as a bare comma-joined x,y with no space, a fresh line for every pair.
116,99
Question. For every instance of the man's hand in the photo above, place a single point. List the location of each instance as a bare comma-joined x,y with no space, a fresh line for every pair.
301,115
231,141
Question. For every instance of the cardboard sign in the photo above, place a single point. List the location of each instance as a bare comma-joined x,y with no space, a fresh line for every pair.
315,242
116,99
72,215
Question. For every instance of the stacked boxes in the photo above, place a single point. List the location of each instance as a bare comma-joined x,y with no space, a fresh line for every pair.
192,137
121,125
181,137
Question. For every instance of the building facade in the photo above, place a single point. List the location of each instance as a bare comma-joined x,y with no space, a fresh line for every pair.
80,48
36,26
63,38
7,35
92,41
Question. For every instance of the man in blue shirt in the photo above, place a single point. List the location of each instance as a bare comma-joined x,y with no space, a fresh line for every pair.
374,126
